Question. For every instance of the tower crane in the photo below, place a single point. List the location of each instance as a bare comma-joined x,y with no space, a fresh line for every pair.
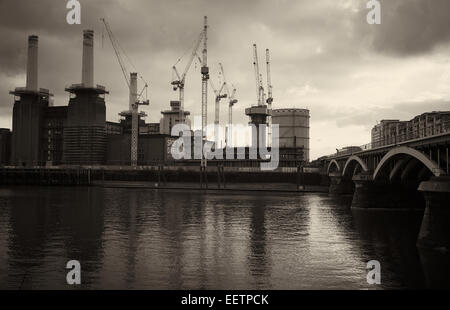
258,78
269,96
231,102
218,97
134,98
179,82
258,114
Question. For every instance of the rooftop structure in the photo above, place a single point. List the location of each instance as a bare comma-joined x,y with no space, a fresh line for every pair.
172,117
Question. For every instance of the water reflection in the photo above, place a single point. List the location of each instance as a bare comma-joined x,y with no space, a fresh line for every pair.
36,220
436,267
148,239
259,257
390,237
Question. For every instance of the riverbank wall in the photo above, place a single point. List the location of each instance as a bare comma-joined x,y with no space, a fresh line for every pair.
162,177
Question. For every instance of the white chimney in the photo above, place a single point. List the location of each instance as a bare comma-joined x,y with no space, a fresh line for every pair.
32,63
133,90
87,77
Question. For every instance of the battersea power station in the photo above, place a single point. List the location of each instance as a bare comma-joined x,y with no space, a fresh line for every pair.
77,134
44,135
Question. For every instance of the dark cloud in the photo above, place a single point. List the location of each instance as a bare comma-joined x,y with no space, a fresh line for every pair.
317,49
46,18
11,58
411,27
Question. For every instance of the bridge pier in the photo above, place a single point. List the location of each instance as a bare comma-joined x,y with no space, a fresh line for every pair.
339,185
370,194
367,194
435,229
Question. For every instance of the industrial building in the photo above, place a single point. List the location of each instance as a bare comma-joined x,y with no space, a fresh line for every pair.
394,131
29,114
84,131
293,133
53,135
76,134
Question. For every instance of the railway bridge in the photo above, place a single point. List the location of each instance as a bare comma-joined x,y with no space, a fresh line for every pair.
412,174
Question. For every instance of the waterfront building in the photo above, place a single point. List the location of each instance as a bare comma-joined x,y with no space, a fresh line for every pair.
389,132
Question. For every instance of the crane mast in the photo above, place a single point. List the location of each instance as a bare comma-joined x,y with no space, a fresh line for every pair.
261,90
269,96
269,80
134,118
218,97
231,102
205,78
256,67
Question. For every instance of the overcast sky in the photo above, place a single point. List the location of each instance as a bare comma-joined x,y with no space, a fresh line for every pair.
325,57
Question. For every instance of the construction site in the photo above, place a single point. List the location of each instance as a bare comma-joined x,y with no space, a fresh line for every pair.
78,135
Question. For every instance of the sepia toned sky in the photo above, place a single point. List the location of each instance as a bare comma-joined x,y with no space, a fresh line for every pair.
325,57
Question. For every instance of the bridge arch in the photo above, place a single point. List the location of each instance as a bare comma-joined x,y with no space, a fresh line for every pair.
335,164
351,163
432,166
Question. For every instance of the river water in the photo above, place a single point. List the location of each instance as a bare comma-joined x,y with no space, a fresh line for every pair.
150,239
